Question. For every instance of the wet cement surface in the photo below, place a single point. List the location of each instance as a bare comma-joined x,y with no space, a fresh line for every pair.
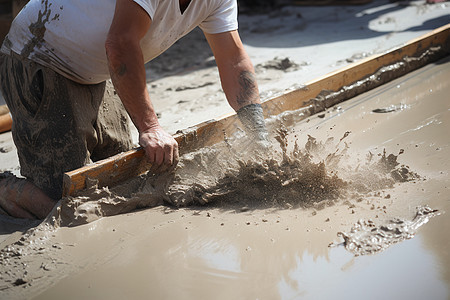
274,252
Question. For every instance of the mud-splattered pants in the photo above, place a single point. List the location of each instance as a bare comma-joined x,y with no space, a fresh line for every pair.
60,125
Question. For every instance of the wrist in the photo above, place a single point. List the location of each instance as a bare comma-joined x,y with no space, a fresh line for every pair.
149,124
252,118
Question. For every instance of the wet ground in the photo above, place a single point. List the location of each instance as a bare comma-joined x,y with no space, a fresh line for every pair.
277,252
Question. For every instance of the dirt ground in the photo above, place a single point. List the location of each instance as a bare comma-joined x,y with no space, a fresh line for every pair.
230,249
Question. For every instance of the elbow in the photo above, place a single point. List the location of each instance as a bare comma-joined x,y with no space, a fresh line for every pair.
119,47
113,50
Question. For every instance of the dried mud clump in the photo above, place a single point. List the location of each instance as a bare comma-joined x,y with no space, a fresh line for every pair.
281,64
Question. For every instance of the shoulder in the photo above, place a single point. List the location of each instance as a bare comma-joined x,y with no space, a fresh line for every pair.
225,4
222,17
149,6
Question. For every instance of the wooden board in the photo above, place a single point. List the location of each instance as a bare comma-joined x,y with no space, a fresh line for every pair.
130,164
359,70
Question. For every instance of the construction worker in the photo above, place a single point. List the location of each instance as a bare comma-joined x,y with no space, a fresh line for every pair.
55,67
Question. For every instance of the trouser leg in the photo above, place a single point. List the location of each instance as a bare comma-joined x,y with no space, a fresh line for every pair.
57,123
112,126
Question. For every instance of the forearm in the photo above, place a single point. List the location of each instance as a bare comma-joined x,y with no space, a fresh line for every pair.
126,66
239,82
241,89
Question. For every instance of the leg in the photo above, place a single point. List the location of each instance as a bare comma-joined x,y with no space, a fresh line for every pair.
50,134
15,192
53,129
22,199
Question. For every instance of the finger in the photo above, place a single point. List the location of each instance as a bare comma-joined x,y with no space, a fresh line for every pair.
173,157
161,168
176,157
151,158
159,158
168,159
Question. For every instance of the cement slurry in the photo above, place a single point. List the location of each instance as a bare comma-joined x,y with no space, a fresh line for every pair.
279,252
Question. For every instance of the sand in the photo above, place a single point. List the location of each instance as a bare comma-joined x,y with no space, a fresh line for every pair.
232,249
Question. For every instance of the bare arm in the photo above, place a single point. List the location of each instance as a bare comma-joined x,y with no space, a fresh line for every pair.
235,68
126,65
238,81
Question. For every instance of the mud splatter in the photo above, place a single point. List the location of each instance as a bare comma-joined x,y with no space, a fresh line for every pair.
302,177
95,203
391,108
232,174
6,149
366,237
282,64
20,266
37,29
290,180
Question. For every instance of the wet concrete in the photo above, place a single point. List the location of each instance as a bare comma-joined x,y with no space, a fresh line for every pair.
273,252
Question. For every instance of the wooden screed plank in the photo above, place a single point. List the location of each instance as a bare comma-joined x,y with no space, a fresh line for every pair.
360,70
121,167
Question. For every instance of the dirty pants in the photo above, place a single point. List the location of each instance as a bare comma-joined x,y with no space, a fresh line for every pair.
60,125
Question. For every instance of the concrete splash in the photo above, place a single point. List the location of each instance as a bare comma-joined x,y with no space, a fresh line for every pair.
234,174
366,237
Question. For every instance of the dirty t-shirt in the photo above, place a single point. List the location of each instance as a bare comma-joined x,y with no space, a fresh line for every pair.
69,35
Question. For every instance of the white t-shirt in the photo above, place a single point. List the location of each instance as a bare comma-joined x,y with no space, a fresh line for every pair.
69,35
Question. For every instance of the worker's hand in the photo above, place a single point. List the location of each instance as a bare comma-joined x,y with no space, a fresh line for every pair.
160,148
252,118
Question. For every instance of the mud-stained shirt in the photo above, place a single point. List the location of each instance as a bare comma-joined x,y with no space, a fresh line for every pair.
69,35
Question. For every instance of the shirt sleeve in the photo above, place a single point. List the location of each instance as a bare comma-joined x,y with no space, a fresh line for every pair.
223,19
148,5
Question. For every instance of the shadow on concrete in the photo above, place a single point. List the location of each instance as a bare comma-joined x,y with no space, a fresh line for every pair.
297,26
306,26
